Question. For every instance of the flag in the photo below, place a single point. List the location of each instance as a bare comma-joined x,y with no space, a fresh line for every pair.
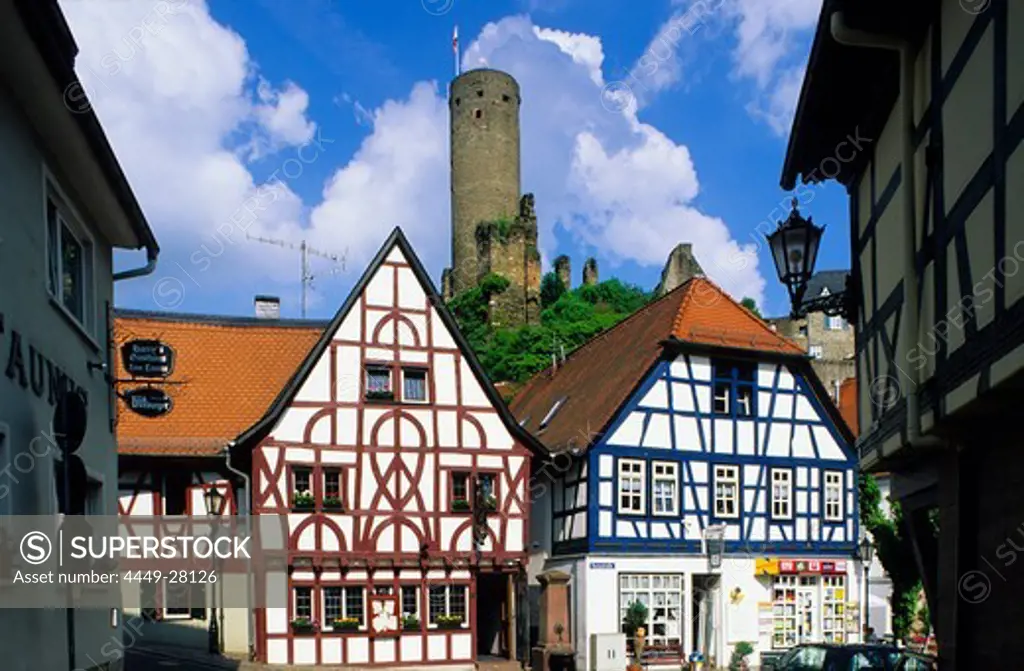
455,40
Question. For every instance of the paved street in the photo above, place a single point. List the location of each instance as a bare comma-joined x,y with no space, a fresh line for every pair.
147,659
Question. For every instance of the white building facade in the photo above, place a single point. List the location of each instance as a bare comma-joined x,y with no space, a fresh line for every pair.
66,206
737,443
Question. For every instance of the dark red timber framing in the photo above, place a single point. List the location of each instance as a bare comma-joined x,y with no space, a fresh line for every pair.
393,524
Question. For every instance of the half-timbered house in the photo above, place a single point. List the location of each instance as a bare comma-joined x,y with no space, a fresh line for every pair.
403,480
920,115
691,423
224,375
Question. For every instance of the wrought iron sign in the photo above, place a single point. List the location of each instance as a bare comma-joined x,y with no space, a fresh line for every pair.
147,358
148,401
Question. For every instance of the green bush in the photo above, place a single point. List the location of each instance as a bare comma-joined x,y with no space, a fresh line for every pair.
739,655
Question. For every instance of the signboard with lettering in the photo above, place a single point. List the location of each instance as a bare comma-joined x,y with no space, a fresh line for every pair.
147,358
148,402
812,566
602,565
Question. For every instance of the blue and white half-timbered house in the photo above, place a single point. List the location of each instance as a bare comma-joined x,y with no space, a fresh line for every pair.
692,425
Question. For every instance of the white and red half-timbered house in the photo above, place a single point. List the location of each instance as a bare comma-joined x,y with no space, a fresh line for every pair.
405,485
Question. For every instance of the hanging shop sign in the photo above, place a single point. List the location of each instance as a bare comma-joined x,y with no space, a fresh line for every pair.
147,358
148,402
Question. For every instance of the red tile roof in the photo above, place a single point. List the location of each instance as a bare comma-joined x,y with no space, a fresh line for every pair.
600,376
229,370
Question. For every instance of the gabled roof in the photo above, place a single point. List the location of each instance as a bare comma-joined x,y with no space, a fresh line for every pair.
227,370
249,438
596,379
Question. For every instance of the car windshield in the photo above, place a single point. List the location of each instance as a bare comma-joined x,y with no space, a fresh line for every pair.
873,660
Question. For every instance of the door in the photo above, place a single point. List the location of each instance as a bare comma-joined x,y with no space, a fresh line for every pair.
807,616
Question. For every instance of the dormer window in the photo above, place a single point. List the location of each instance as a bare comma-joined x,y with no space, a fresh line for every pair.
734,387
378,383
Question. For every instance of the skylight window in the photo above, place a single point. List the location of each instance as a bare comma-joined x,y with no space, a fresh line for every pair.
551,413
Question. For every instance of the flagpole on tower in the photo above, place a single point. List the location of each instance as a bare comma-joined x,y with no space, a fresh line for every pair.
455,48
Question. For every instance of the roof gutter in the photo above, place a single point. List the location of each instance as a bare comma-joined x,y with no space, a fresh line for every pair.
249,578
844,34
152,251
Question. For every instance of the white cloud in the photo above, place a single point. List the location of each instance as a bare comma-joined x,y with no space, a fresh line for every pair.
183,130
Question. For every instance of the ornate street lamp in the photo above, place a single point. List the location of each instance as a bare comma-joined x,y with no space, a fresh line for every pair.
794,246
214,500
866,552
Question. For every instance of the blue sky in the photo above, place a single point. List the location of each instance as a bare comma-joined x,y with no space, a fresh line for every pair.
643,125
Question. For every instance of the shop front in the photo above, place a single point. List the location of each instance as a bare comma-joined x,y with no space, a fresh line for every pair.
812,600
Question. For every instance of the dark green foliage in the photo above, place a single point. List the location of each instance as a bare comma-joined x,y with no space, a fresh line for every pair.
751,305
739,655
636,617
571,319
551,289
895,552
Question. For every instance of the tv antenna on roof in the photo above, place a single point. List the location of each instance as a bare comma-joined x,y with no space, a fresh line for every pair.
306,251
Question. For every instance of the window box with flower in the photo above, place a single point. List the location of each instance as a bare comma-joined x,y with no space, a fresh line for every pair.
304,625
460,505
302,501
345,624
380,395
410,622
449,621
332,503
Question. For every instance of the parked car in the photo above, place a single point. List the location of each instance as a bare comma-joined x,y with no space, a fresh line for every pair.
826,657
916,661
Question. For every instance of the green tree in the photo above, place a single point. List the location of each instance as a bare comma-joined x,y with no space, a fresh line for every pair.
551,289
895,552
750,304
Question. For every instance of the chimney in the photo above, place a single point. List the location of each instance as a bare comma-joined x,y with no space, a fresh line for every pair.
267,307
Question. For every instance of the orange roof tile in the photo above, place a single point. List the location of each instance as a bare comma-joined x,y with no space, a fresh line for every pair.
598,377
228,371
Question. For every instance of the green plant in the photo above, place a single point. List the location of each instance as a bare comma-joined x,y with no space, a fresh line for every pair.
636,618
345,624
303,500
380,395
332,502
460,505
490,503
739,656
551,289
304,625
410,622
449,621
750,304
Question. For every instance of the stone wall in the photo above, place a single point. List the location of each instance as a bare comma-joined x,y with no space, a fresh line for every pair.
590,277
508,247
563,270
836,362
679,268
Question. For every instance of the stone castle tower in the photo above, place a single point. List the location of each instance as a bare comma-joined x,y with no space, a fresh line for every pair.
494,227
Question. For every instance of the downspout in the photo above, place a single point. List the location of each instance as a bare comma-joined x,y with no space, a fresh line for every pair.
251,614
151,254
843,34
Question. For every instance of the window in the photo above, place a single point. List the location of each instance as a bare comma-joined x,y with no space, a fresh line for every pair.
662,594
303,480
665,488
488,490
727,484
460,491
447,601
782,493
794,610
721,398
414,385
734,386
816,351
341,603
410,600
69,257
834,496
836,323
378,382
478,114
631,486
332,488
304,602
833,612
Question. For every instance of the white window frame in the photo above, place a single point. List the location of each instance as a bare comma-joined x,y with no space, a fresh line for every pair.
295,601
835,486
715,398
834,323
733,477
448,603
782,476
645,591
744,400
628,467
426,385
669,474
327,625
816,351
67,217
